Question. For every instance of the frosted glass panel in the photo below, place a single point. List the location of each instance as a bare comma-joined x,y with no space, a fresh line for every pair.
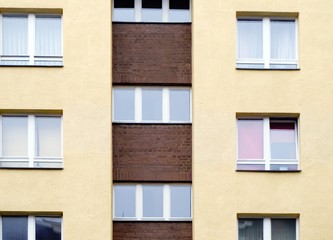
152,104
48,136
152,15
48,36
178,15
14,228
181,201
283,43
15,35
48,228
123,14
124,103
124,201
153,201
180,105
14,136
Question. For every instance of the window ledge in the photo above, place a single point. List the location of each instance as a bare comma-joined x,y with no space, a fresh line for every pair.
33,66
152,123
31,168
269,69
152,220
271,171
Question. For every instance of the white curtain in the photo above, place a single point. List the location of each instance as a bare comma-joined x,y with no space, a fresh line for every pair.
283,39
250,37
15,35
48,36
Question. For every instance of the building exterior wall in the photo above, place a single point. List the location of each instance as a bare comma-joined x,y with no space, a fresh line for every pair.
220,92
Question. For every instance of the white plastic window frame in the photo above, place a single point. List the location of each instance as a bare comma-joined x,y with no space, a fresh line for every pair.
165,105
31,225
138,10
31,57
32,160
267,227
267,161
266,60
139,203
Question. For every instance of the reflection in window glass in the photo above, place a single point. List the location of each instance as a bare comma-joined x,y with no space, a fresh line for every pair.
123,3
151,3
179,4
48,136
152,104
124,201
48,228
124,104
152,201
179,105
180,201
14,228
250,229
283,143
14,136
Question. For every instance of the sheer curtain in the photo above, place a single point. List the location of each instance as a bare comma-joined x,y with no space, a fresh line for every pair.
48,36
250,229
283,39
283,229
250,36
15,35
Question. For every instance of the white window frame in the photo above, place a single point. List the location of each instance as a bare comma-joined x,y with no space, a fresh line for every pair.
138,9
267,161
139,203
31,159
31,224
267,227
31,57
266,60
165,105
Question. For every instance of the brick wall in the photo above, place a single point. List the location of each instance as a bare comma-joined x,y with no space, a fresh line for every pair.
151,152
152,230
151,53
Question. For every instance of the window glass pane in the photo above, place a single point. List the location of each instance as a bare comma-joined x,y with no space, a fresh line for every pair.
48,228
151,3
152,104
124,102
48,136
251,167
152,201
15,35
123,14
14,228
48,36
179,4
284,167
151,15
250,229
14,136
250,139
283,39
283,143
180,201
124,201
249,32
180,105
283,229
179,15
124,3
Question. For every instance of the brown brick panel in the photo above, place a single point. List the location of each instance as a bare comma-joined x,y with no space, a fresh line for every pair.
152,231
150,152
151,53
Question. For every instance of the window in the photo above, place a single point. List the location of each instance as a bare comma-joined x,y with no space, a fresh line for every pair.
31,39
267,144
31,141
30,227
267,228
151,11
152,104
267,43
152,202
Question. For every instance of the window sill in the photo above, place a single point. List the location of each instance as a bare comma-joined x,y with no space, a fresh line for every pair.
153,220
33,66
31,168
269,69
152,123
271,171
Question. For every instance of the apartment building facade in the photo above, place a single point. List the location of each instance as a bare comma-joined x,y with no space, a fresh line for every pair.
165,119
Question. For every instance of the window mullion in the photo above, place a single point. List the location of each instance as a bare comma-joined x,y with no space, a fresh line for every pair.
266,42
31,38
31,140
31,228
139,202
0,137
267,148
138,104
166,202
1,33
165,105
138,10
267,229
165,10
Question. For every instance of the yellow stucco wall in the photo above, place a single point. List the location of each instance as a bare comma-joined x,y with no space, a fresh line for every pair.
220,91
81,89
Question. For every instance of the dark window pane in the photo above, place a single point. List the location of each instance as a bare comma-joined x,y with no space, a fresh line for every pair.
283,229
179,4
123,3
14,228
250,229
151,3
48,228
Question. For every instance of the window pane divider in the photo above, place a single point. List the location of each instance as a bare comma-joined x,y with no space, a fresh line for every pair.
31,38
166,202
139,202
31,228
31,140
266,142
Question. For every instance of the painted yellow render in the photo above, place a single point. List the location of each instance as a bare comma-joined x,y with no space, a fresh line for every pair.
81,89
220,92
